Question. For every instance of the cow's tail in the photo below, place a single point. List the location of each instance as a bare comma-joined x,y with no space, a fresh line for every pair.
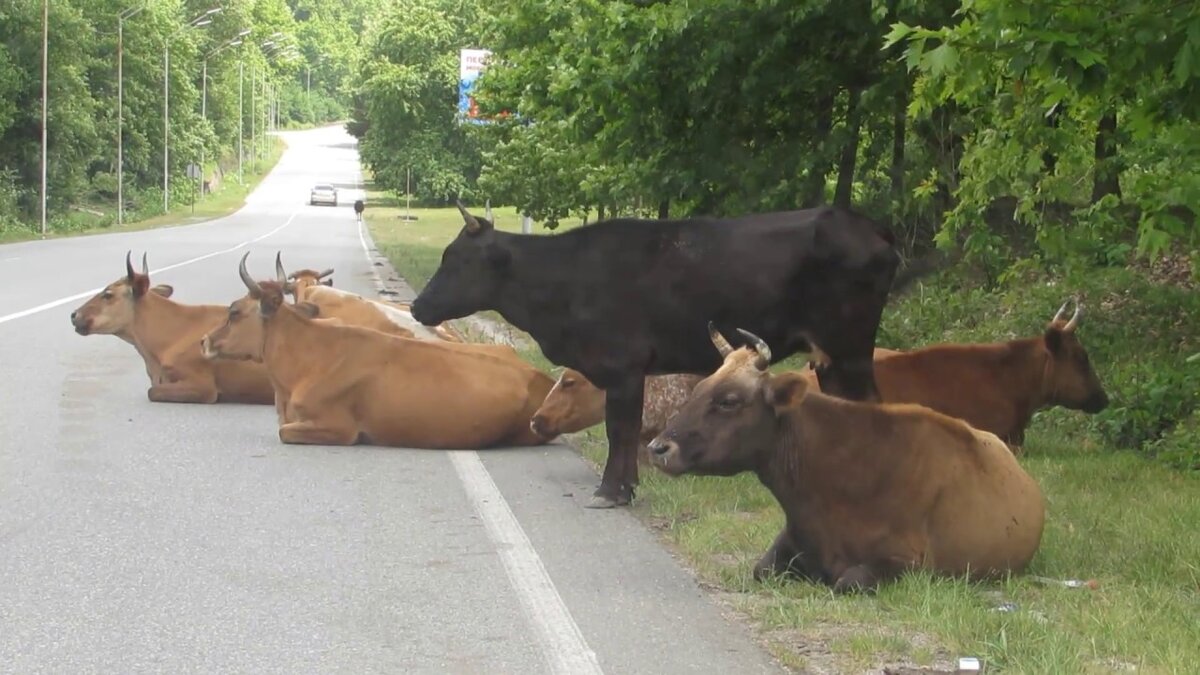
919,268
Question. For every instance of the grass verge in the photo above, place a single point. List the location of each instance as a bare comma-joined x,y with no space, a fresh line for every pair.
1113,515
228,199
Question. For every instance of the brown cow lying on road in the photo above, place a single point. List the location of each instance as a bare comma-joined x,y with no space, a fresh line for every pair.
343,384
574,404
998,386
167,335
387,317
869,490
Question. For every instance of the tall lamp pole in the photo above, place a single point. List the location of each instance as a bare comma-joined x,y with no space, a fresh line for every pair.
122,17
202,20
204,90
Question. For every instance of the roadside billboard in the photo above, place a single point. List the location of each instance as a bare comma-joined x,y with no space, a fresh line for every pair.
471,62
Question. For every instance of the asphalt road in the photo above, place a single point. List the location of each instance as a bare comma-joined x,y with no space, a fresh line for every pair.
155,537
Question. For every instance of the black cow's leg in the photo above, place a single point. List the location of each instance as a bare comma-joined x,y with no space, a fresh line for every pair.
857,579
623,419
783,558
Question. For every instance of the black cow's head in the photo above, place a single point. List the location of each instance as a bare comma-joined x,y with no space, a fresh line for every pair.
472,270
730,422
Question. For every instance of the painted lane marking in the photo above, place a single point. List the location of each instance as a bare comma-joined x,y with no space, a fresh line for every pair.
78,296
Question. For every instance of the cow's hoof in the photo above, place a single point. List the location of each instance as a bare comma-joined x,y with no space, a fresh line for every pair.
605,499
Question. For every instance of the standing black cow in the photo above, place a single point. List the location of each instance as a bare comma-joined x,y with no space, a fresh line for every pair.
621,299
358,208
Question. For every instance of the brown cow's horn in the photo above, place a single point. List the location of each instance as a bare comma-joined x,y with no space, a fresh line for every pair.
472,222
251,284
719,340
279,273
325,273
129,265
764,352
145,267
1074,322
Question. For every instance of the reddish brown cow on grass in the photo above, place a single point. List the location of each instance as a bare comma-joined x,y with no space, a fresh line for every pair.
869,490
167,335
998,386
345,384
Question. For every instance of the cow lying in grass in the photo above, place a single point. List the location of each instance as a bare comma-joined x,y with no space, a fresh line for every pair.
869,490
387,317
997,386
346,384
167,335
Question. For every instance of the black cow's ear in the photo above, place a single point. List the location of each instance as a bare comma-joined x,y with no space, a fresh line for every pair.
498,256
1054,340
787,390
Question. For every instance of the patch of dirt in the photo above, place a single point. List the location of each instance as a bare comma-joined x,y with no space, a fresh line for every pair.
1170,269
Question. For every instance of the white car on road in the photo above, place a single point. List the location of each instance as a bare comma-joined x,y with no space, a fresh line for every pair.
323,193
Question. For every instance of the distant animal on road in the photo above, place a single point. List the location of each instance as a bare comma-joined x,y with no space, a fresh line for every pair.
358,209
997,386
340,385
574,404
869,490
621,299
167,335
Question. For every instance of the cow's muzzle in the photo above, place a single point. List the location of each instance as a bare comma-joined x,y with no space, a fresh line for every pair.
660,449
1095,403
82,326
207,348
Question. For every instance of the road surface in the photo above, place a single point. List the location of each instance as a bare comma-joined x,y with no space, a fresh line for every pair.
155,537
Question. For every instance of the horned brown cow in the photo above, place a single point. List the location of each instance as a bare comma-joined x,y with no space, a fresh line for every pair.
167,335
389,317
574,404
997,386
869,490
343,384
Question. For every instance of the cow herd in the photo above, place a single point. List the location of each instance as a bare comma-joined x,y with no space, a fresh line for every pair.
882,460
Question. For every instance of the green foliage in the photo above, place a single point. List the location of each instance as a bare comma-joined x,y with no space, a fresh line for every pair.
82,123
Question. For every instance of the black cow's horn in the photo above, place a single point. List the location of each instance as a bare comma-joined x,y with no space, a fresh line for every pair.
129,265
145,267
325,273
764,352
251,284
279,273
719,340
472,222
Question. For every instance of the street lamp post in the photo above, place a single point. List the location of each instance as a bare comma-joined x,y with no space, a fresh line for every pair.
199,21
122,17
204,92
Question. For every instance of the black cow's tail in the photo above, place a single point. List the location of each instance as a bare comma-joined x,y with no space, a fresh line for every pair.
919,268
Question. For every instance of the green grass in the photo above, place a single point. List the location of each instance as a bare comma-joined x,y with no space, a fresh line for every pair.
1114,514
229,198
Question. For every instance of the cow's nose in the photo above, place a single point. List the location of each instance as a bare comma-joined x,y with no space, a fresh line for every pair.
537,423
659,447
73,317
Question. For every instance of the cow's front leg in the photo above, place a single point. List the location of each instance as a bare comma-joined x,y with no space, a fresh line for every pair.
317,433
623,419
784,558
182,392
857,579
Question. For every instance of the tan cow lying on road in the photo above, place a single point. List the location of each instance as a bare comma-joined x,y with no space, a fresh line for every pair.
167,335
346,384
869,490
387,317
998,386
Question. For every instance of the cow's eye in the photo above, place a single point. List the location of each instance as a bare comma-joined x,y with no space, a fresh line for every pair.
729,402
567,384
107,295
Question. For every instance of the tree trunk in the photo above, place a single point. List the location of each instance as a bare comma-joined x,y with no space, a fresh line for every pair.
842,196
814,187
1107,173
599,212
1049,159
664,209
899,127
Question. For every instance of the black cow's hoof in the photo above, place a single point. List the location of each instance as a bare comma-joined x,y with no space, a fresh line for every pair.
607,498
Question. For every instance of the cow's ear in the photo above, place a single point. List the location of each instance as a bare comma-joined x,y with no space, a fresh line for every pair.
1054,341
308,309
498,256
165,290
786,390
141,284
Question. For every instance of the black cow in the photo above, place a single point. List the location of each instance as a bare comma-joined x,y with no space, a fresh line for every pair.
358,208
621,299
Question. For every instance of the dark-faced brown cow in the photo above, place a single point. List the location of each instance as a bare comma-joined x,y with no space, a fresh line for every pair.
998,386
167,335
344,384
622,299
574,404
869,490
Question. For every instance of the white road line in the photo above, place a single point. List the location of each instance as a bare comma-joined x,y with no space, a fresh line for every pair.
62,301
562,642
